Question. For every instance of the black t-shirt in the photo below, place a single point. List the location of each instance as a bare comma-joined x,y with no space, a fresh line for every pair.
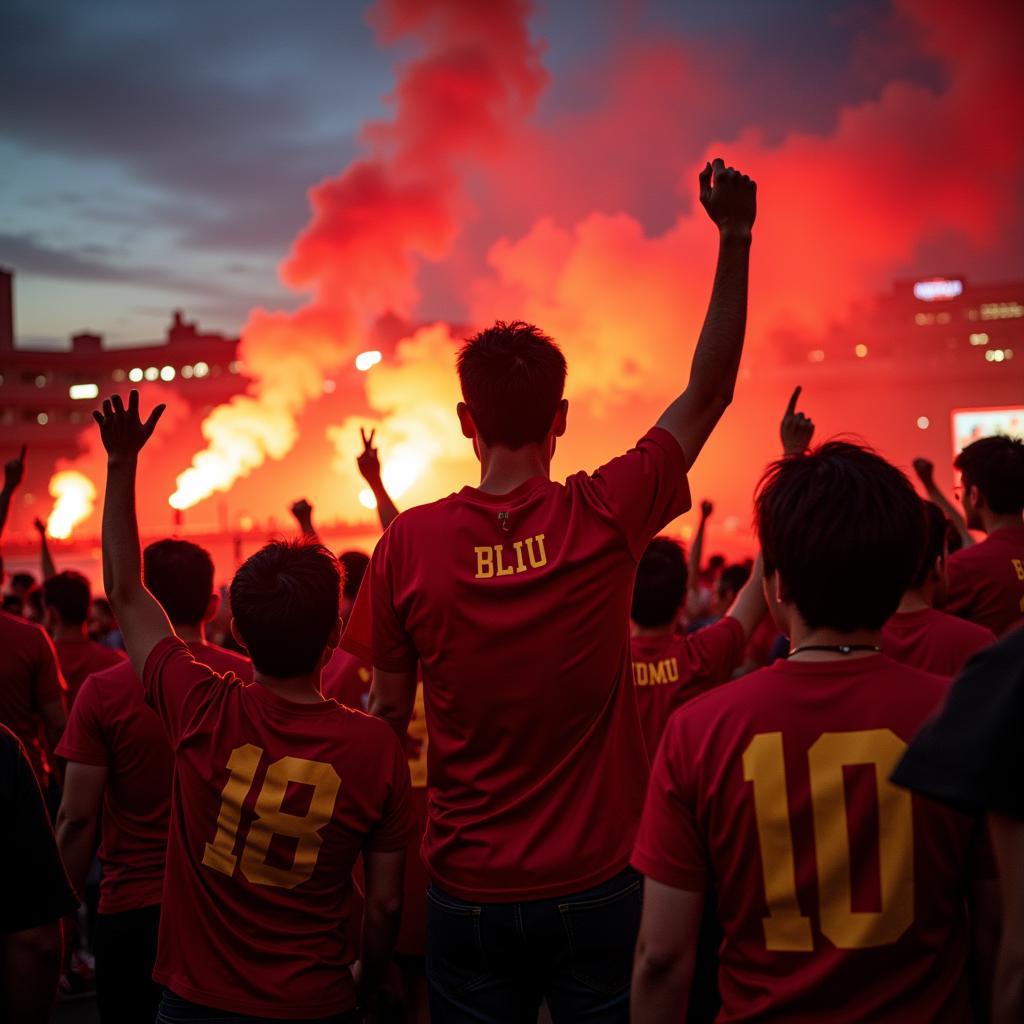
971,755
34,889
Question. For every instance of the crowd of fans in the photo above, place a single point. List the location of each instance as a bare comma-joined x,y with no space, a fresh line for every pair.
529,759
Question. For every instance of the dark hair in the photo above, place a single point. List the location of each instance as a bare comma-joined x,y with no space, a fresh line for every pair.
23,579
354,564
512,378
995,465
34,600
938,534
715,562
732,578
180,576
660,584
13,604
285,600
844,529
68,593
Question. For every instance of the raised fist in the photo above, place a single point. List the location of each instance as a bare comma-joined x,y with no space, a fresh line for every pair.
925,471
303,511
706,508
730,198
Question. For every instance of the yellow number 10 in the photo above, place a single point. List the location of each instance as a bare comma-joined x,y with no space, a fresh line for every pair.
785,928
270,819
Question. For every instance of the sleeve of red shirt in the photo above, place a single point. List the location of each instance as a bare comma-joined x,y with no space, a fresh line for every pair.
645,489
715,652
175,684
83,741
669,847
960,586
375,631
50,685
397,821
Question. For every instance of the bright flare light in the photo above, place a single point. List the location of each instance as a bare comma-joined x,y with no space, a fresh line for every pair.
74,496
398,473
367,359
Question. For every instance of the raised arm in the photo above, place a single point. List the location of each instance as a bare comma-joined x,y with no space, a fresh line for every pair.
925,471
749,608
46,562
142,620
303,512
796,430
14,472
369,467
693,600
730,199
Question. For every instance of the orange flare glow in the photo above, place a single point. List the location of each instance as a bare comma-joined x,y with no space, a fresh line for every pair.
75,495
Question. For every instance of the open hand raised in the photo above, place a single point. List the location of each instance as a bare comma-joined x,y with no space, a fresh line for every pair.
122,430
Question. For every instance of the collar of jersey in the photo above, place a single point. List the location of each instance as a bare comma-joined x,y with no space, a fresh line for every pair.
837,667
526,489
291,707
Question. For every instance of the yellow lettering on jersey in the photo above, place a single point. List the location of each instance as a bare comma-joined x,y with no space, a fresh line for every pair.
640,673
1018,564
484,563
518,548
536,561
649,673
503,570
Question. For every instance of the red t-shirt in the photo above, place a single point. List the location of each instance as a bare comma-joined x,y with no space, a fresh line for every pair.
347,680
79,657
841,895
986,581
516,607
934,641
670,669
111,726
272,802
30,679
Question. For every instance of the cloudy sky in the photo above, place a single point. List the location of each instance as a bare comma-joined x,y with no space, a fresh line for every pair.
158,155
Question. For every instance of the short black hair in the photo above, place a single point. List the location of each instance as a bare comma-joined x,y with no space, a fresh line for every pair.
995,465
512,378
23,579
938,535
732,578
13,604
354,563
285,600
660,584
844,529
68,593
179,574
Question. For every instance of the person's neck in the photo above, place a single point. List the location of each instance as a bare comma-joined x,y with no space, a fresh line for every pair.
637,630
833,638
303,689
916,601
991,522
503,470
62,631
190,634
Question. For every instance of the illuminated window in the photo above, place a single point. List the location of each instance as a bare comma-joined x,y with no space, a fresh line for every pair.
979,339
200,369
80,391
995,355
923,319
119,375
1001,310
942,318
186,372
860,351
1007,353
167,373
235,366
816,355
135,374
152,373
42,419
41,380
923,423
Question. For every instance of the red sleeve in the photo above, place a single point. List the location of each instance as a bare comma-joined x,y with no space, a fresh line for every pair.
175,684
645,489
375,630
715,652
50,685
83,741
960,586
397,822
669,847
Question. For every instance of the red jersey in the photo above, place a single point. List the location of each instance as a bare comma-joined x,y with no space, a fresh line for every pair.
516,607
79,657
986,581
670,669
934,641
111,726
347,680
30,679
272,802
841,896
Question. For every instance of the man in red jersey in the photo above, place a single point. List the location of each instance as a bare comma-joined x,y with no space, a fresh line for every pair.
986,580
66,597
276,790
921,635
841,896
119,771
514,598
669,668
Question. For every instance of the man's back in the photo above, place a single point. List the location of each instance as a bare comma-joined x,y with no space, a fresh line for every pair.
986,581
934,641
517,607
29,680
273,801
842,897
79,657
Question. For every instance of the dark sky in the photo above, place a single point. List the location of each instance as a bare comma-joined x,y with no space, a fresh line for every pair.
158,155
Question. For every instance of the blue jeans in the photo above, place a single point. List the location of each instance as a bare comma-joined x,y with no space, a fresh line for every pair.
175,1010
496,962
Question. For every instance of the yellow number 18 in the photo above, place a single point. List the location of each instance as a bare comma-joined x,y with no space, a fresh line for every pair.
785,928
